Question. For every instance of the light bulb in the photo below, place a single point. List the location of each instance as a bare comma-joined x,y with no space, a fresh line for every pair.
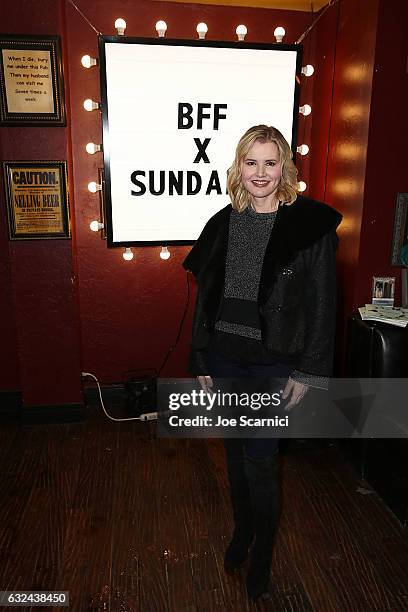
93,148
120,25
90,105
161,27
308,70
128,254
87,61
302,186
95,226
279,33
94,187
305,110
164,253
202,30
241,32
303,149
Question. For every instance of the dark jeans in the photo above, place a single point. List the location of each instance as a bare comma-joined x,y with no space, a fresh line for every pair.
223,368
253,474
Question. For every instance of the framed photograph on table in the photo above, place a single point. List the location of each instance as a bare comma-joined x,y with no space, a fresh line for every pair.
31,81
37,199
383,290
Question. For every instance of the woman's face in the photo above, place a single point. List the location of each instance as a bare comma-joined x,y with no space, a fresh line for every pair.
261,169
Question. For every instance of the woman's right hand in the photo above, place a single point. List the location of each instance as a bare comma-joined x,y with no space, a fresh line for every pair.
206,383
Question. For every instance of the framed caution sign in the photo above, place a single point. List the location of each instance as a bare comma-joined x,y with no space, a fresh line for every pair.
173,112
37,199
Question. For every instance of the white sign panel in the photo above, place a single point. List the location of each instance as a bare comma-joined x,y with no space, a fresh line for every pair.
173,114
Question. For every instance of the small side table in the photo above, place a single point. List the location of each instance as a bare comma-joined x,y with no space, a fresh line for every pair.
379,350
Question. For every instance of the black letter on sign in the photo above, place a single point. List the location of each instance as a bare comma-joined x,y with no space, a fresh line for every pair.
201,115
184,112
133,178
190,175
214,183
217,115
176,184
151,183
201,146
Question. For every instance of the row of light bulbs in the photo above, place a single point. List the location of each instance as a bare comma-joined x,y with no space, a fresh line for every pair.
161,27
128,253
87,62
96,226
201,29
94,187
91,105
93,148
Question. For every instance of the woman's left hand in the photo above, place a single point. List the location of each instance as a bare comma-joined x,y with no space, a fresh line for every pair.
295,391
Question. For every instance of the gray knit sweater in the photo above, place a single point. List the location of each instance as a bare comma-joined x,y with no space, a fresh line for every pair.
249,233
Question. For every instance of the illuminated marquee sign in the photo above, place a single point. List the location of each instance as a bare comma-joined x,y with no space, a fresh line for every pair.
173,112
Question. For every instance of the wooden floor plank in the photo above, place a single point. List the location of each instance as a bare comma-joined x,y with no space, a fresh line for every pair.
89,544
349,568
380,536
19,472
306,542
131,523
8,435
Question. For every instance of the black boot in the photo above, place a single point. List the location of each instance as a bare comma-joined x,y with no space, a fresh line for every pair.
262,476
237,550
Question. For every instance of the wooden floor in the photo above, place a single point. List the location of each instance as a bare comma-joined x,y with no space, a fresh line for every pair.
126,522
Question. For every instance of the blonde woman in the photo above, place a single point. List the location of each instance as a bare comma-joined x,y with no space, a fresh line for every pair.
265,308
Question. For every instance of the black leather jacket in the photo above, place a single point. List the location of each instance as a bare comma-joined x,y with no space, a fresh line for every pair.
297,290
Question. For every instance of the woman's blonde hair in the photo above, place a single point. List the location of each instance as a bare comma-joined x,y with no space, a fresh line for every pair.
287,188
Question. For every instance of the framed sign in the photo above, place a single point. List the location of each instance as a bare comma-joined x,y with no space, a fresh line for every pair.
37,199
400,234
31,81
173,112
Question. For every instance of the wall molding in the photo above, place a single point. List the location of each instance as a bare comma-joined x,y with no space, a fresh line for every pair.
12,410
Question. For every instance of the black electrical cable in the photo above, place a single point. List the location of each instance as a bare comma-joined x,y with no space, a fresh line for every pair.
314,23
84,17
180,329
156,371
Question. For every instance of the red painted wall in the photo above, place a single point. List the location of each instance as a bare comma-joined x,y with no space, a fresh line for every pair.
75,305
348,141
40,287
344,44
322,41
386,156
9,370
358,138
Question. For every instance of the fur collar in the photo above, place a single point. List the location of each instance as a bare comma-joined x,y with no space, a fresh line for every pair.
297,226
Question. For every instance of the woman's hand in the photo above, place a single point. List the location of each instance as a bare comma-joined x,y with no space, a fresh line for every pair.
295,391
206,383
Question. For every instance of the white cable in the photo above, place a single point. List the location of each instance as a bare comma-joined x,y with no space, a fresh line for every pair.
148,416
